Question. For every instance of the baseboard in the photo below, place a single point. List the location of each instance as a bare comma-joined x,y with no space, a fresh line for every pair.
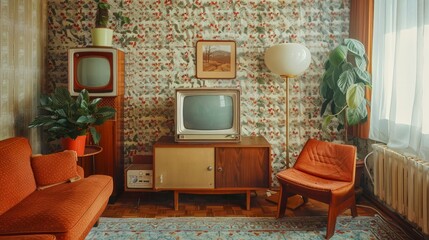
396,217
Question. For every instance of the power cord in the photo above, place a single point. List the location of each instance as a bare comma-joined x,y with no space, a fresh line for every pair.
366,166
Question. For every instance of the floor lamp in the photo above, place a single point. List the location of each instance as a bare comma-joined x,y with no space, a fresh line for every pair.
288,60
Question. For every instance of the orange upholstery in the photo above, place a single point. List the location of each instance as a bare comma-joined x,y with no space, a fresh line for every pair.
29,237
46,171
16,176
66,211
325,172
80,172
334,159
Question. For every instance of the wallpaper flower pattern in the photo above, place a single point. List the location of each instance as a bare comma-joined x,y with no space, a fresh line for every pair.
160,56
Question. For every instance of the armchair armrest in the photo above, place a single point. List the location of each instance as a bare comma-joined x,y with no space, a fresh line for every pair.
55,168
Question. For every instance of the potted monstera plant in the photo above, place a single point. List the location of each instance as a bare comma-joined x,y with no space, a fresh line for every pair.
344,85
343,88
71,119
101,34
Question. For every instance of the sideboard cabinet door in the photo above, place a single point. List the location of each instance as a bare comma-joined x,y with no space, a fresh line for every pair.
246,167
180,168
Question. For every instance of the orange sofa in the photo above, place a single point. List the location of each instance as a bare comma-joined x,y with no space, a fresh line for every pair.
46,196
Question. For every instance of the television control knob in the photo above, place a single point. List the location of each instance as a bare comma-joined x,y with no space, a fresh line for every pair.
209,168
220,169
133,179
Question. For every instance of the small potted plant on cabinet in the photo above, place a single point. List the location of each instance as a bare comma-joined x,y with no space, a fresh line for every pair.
101,34
71,119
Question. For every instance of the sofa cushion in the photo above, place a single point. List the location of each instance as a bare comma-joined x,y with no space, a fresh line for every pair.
57,209
16,176
54,168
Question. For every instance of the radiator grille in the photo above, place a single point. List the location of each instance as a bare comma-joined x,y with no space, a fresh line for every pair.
402,182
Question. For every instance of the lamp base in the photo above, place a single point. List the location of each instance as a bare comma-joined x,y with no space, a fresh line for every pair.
294,201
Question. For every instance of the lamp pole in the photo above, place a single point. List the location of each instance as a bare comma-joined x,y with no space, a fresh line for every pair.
287,60
287,161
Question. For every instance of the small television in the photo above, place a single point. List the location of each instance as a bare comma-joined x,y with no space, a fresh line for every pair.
207,115
95,69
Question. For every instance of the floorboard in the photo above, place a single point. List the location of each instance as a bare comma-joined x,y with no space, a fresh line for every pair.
160,204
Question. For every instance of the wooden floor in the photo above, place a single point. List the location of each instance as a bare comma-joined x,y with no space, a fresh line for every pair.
160,204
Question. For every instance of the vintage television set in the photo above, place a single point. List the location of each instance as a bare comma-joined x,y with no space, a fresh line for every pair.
207,115
94,69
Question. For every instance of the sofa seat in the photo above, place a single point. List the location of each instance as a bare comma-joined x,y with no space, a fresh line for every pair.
57,209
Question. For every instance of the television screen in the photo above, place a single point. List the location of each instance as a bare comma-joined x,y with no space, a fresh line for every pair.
93,72
96,69
208,112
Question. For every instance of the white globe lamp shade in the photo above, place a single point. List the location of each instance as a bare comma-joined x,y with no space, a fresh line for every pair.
288,59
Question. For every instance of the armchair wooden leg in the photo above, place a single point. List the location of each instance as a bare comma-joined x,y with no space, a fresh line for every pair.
281,204
353,208
332,219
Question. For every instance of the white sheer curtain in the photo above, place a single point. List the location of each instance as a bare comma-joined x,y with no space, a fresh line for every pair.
400,95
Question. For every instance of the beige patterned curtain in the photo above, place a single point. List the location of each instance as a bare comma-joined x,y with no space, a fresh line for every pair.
22,50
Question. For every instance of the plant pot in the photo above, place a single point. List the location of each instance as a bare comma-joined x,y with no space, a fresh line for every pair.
102,37
77,144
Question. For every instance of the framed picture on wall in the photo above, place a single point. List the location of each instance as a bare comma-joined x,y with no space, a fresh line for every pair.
216,59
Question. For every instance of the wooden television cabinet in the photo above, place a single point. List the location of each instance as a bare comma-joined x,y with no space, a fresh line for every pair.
212,168
110,161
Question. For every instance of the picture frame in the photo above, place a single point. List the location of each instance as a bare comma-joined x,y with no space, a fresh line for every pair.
216,59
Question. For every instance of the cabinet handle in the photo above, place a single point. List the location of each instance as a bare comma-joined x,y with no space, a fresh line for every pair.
220,169
209,168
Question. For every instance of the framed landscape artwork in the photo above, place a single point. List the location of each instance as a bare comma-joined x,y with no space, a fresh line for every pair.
216,59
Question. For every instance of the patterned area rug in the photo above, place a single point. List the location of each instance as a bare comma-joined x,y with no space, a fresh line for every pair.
243,228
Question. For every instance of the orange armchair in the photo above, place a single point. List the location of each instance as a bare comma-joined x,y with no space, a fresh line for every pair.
324,172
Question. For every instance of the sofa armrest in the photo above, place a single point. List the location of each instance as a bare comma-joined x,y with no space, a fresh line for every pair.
80,172
55,168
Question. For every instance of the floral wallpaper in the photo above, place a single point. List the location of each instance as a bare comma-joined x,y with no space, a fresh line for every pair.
160,56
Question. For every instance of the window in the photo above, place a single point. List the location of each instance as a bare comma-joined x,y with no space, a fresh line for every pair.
400,66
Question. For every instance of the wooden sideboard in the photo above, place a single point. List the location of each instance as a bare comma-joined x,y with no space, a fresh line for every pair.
212,168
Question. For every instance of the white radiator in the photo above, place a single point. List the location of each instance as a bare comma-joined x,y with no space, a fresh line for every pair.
402,182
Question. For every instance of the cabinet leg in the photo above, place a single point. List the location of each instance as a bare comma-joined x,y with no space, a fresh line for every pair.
176,200
247,200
